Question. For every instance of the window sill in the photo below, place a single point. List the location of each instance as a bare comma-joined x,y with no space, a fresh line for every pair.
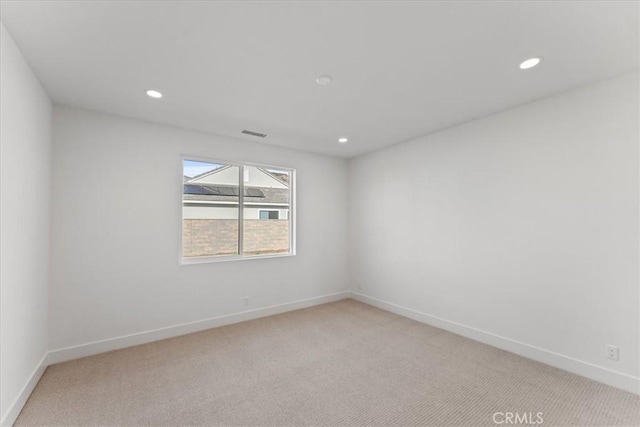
213,259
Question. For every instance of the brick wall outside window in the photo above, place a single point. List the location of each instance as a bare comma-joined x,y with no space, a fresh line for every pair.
207,237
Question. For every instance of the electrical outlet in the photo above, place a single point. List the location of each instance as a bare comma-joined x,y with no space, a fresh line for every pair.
612,352
246,300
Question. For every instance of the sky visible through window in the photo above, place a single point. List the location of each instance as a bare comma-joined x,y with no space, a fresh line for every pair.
193,168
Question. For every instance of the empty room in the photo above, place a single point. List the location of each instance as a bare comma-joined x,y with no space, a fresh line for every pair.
319,213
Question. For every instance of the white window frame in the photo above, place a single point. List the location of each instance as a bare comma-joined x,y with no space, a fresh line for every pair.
240,165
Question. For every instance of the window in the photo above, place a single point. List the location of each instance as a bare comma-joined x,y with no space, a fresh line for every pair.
269,214
234,211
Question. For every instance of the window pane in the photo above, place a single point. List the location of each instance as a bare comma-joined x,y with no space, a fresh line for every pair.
210,209
267,201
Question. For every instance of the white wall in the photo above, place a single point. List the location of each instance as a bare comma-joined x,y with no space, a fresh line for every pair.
25,202
523,224
117,221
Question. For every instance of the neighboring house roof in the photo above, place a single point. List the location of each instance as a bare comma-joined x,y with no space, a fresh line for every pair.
262,188
207,173
225,193
284,177
257,177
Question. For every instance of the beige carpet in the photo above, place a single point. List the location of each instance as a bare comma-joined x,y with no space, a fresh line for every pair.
343,363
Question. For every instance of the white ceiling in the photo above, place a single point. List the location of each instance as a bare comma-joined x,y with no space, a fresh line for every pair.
400,69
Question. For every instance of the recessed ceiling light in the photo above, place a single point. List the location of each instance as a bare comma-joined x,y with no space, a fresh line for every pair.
324,80
343,140
154,93
530,63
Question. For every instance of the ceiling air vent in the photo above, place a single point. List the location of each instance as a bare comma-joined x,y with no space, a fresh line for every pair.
252,133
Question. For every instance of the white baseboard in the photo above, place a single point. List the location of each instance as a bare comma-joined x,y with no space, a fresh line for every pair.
102,346
585,369
18,404
579,367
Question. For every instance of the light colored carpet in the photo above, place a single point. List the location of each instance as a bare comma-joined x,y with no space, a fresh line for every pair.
343,363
